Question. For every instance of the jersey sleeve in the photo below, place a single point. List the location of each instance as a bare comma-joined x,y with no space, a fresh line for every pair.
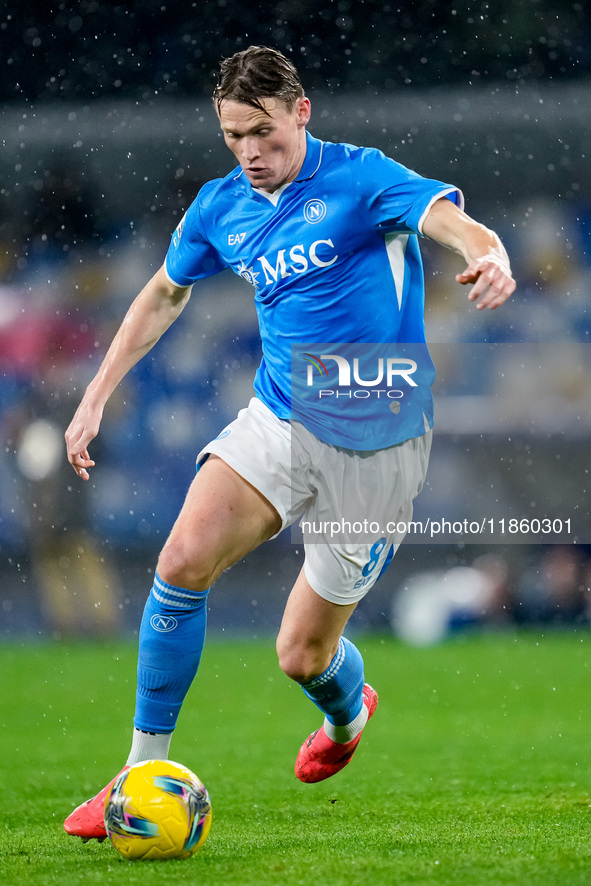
190,255
396,198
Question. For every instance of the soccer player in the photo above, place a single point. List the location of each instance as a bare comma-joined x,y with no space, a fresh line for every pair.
327,236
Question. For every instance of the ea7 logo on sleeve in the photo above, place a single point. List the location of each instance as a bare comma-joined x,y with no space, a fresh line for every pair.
236,239
176,237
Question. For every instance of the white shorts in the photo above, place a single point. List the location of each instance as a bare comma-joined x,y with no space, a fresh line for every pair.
353,505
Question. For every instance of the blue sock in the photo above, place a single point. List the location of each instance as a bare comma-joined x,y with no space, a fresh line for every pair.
172,635
338,692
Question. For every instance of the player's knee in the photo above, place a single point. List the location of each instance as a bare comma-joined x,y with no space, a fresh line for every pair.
300,662
185,568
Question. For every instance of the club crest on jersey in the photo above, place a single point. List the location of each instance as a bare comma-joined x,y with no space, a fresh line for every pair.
314,211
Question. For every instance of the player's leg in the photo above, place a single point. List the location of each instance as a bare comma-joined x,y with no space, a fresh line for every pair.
222,519
329,668
364,489
310,632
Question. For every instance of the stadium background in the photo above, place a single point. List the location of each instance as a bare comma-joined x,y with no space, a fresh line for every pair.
108,131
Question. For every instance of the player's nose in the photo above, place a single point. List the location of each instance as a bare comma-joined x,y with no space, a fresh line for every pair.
250,149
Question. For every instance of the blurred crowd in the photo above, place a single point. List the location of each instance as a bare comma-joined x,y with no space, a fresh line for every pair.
149,46
548,586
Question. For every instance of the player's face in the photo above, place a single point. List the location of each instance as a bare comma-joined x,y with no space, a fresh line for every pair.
271,146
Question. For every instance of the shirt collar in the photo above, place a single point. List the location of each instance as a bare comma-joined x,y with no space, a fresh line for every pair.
313,159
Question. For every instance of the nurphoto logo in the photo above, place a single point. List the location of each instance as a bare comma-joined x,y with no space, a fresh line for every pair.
388,371
362,395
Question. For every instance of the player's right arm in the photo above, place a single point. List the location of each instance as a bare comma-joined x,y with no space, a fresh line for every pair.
156,307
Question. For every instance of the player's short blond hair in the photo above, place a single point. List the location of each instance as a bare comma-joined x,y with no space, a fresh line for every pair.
256,73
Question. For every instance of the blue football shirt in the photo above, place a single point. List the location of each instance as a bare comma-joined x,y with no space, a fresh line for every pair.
332,257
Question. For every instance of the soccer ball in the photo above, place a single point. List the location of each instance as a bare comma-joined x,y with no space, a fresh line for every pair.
157,809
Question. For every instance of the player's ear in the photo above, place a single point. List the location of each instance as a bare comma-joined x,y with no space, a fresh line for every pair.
303,110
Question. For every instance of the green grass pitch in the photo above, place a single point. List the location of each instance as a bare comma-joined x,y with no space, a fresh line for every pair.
475,769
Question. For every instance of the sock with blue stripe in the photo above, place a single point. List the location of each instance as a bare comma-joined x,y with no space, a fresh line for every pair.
172,636
338,692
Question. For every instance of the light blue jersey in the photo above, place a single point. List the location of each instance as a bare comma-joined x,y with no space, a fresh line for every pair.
333,257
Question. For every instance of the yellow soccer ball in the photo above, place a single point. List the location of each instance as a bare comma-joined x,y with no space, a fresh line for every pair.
157,809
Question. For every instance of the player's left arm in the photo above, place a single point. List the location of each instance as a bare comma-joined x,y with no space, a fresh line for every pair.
488,267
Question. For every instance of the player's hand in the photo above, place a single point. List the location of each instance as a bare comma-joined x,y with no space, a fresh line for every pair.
492,279
81,461
83,428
